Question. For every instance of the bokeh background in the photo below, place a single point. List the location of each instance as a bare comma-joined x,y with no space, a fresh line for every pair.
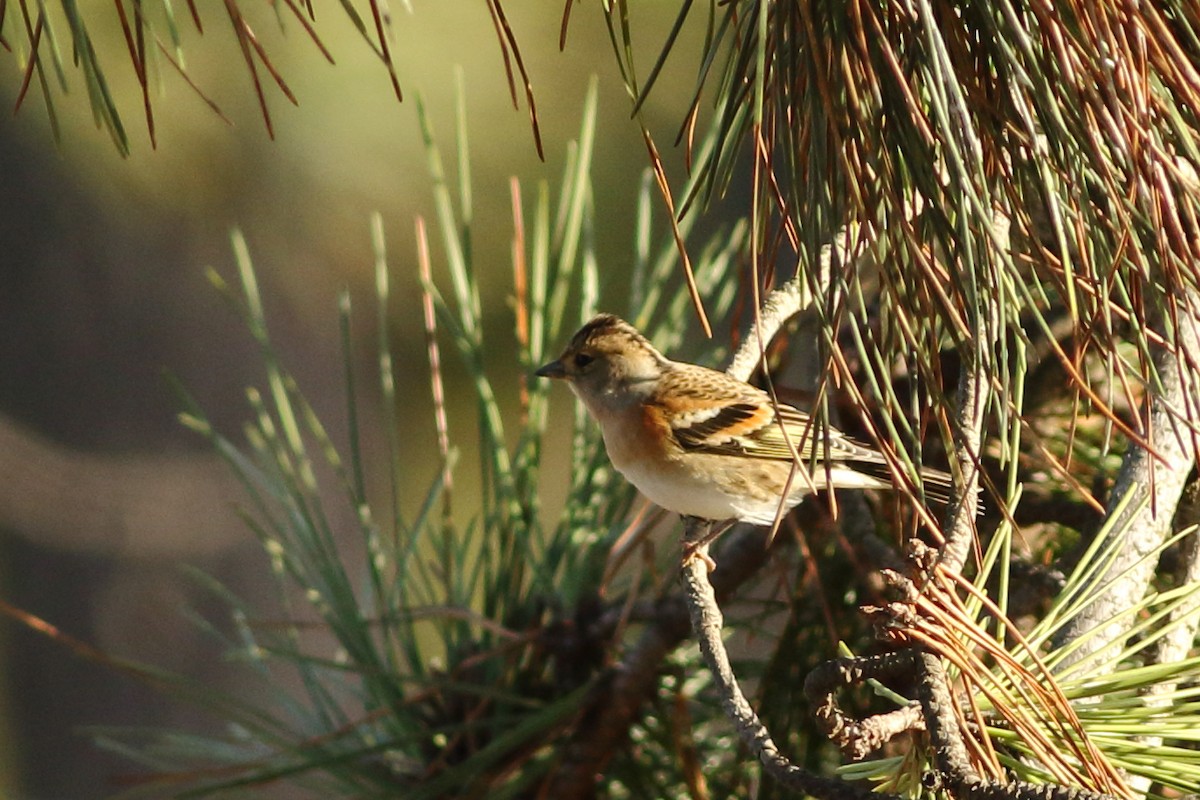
103,494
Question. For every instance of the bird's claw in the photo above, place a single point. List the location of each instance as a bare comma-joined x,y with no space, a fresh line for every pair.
698,550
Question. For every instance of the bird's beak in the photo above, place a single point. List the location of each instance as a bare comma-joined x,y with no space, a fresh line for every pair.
554,369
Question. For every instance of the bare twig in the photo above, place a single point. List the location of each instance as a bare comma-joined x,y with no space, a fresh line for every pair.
955,772
783,304
1020,790
706,623
949,749
969,419
858,738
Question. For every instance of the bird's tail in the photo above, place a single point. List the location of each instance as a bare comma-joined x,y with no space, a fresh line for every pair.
935,484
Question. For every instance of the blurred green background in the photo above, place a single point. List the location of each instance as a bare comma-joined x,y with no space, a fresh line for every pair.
102,289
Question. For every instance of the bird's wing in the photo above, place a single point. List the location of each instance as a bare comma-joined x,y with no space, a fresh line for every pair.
713,413
710,412
778,432
733,428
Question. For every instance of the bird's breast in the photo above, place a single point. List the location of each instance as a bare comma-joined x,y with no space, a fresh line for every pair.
637,437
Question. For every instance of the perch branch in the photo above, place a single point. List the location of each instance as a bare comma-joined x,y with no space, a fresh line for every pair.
706,623
618,702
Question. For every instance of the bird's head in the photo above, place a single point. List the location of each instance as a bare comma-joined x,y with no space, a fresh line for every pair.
607,363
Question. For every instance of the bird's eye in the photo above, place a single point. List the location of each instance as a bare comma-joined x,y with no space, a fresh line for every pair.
582,360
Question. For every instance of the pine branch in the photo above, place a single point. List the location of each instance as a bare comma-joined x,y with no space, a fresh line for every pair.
1147,492
1176,644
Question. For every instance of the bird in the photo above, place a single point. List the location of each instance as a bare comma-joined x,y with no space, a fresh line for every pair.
703,444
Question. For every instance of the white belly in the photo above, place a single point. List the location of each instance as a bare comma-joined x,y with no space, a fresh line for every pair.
676,493
684,494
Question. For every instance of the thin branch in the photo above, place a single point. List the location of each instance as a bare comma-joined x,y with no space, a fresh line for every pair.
1020,790
620,700
949,750
859,738
782,304
973,383
706,624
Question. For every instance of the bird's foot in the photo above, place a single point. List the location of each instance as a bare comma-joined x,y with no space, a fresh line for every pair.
698,550
698,534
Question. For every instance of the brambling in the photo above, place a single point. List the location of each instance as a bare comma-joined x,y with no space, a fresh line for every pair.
703,444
